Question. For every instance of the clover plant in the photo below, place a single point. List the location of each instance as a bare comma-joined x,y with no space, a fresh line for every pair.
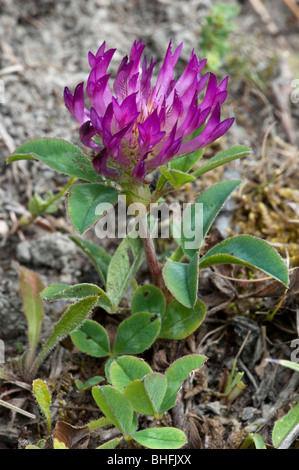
141,142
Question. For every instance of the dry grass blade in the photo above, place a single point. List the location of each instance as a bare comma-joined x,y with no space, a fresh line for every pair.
17,409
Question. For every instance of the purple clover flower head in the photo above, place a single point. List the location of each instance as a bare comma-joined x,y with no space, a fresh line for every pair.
137,127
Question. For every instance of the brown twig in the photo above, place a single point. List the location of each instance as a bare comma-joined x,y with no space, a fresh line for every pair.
293,7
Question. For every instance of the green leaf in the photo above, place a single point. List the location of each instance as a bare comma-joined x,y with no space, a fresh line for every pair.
182,280
41,443
125,369
136,334
234,387
160,438
123,266
134,424
148,298
92,339
176,374
186,162
233,379
112,444
212,200
83,201
64,291
115,406
179,321
105,303
30,286
43,398
249,251
258,441
183,163
99,257
146,395
59,155
89,383
107,367
36,205
76,292
283,362
22,156
284,426
72,319
221,158
176,178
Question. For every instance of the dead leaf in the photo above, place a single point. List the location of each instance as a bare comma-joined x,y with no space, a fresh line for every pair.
210,295
212,239
160,361
224,285
276,289
70,437
223,380
191,431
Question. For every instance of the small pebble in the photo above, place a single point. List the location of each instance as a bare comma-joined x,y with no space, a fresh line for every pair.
3,228
248,413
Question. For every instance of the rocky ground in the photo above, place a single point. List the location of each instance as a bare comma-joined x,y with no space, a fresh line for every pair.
43,48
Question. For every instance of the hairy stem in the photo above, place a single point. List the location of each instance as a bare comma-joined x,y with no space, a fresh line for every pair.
58,196
61,193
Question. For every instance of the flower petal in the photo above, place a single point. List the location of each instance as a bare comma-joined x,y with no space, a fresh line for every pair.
139,170
166,72
100,165
75,104
87,132
168,151
149,132
212,131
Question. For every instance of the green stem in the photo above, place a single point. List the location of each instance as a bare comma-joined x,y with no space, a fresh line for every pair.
162,192
51,201
71,181
98,423
41,357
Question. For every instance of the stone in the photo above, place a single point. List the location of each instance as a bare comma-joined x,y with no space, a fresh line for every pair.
53,250
248,413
